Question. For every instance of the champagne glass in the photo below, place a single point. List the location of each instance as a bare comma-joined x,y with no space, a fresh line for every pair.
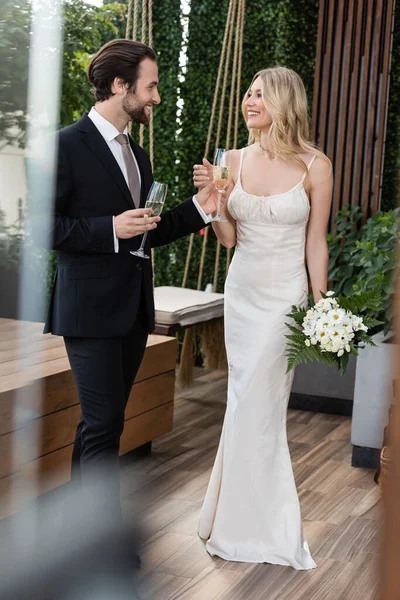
155,201
220,178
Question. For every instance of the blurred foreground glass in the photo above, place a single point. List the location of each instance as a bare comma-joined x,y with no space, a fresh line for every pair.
30,76
36,558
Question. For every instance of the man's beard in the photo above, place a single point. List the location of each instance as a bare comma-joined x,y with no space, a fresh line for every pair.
136,114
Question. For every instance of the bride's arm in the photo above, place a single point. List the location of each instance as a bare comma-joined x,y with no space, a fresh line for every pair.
320,192
202,174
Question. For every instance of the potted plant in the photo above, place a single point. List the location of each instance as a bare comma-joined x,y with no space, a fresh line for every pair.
375,261
361,259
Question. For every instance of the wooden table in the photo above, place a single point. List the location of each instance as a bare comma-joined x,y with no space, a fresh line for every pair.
39,408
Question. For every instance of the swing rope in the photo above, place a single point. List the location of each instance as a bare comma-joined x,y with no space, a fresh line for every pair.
212,342
236,11
212,333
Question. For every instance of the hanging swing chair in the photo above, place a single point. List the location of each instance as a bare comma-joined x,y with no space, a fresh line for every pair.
181,308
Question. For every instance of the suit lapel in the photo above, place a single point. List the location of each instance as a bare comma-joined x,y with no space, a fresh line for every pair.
94,140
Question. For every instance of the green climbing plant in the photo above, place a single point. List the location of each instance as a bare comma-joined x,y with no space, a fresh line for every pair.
281,32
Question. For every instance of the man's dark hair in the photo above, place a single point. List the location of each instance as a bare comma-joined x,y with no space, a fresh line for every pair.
118,58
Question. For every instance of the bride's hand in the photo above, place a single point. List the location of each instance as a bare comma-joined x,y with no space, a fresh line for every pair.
202,174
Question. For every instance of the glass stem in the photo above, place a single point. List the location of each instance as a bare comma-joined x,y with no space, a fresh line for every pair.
219,204
143,241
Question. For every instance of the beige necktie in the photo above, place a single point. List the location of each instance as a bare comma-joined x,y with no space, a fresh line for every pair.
132,170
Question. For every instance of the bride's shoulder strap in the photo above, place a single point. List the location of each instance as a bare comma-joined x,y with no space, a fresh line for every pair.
311,161
241,160
308,167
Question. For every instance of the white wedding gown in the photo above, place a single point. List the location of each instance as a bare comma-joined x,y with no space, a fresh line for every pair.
251,511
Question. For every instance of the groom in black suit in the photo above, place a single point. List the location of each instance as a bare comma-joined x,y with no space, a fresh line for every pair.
102,300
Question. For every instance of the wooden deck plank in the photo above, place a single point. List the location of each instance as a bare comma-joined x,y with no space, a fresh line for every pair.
39,408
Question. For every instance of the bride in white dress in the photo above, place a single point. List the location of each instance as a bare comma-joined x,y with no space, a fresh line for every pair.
277,211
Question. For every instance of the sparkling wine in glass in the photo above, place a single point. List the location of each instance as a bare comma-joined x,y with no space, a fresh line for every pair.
155,201
220,178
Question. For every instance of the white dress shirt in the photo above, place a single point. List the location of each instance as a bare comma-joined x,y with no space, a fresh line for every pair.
109,133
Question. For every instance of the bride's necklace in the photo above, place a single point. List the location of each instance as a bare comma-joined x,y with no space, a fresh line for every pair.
266,151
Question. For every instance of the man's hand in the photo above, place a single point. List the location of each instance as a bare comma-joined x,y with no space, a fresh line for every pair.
202,174
134,222
208,198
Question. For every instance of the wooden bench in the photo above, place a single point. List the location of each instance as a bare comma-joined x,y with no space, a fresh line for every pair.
39,408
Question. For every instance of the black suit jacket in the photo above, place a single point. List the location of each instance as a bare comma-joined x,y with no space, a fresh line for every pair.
96,291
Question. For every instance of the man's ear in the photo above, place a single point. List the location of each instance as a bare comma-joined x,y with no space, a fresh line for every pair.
118,86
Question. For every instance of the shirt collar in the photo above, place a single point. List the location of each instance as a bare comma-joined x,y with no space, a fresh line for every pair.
107,129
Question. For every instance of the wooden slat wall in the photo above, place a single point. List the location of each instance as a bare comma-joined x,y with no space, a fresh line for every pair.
350,96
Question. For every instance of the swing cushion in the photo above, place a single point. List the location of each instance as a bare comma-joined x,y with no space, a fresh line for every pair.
185,307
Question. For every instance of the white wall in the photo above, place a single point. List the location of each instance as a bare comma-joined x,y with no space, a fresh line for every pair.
12,182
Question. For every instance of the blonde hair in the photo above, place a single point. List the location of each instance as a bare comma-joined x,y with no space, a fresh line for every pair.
285,98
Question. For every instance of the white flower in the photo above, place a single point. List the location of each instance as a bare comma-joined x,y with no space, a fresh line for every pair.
330,293
322,321
358,324
307,342
314,341
308,330
324,304
323,326
323,338
340,353
337,315
347,348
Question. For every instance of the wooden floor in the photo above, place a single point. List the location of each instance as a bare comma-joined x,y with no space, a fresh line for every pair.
340,507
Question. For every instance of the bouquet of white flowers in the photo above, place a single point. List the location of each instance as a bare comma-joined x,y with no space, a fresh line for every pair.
332,329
